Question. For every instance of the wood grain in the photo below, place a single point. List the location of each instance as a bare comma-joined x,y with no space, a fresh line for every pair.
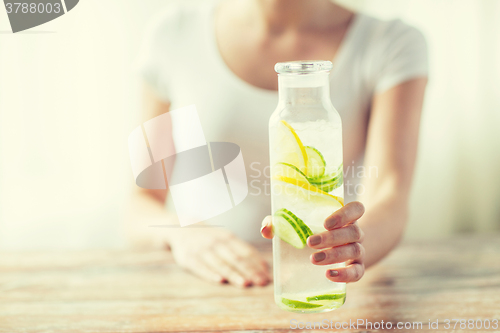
103,291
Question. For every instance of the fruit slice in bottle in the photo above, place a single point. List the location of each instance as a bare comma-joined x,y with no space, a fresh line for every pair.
327,178
326,297
298,304
304,191
291,229
289,171
316,164
328,182
291,149
333,184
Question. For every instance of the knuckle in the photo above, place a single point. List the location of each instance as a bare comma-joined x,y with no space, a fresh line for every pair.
357,233
357,250
360,270
359,207
332,254
362,235
334,220
340,254
344,215
357,274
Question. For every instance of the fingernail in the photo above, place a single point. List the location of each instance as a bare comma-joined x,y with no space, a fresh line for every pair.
319,256
265,224
334,273
314,240
331,222
262,281
244,282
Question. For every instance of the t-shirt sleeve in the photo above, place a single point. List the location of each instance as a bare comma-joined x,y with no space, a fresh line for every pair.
404,57
154,53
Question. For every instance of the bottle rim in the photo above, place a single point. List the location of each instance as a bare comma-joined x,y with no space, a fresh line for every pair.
303,67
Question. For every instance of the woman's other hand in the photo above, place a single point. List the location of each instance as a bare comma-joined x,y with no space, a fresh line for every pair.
217,255
341,242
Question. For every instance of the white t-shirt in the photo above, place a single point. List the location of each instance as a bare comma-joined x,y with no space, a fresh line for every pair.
181,61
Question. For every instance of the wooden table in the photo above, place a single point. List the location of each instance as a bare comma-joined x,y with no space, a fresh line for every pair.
102,291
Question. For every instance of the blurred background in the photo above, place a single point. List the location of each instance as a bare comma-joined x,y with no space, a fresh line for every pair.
69,97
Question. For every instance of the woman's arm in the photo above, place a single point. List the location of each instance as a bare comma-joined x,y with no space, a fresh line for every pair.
391,150
213,254
147,206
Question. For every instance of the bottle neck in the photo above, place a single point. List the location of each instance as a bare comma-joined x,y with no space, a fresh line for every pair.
304,90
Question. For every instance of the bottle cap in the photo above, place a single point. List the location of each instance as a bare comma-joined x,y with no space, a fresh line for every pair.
303,67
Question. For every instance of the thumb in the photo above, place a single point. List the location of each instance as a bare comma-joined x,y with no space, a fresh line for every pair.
267,228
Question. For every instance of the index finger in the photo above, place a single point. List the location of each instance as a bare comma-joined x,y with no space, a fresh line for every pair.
345,215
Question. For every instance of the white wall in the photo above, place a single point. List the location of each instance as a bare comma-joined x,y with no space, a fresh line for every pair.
69,98
457,184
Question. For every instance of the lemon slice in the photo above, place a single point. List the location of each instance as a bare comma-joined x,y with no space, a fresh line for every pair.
298,304
305,191
291,149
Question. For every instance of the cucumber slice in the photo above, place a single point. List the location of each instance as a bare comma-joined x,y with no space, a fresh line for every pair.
298,304
325,297
316,163
329,182
289,171
306,231
328,178
330,186
287,230
290,229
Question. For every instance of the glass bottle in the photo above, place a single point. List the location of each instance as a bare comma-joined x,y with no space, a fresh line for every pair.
305,135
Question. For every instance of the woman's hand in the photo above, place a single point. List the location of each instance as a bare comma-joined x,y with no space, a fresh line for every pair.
217,255
340,243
